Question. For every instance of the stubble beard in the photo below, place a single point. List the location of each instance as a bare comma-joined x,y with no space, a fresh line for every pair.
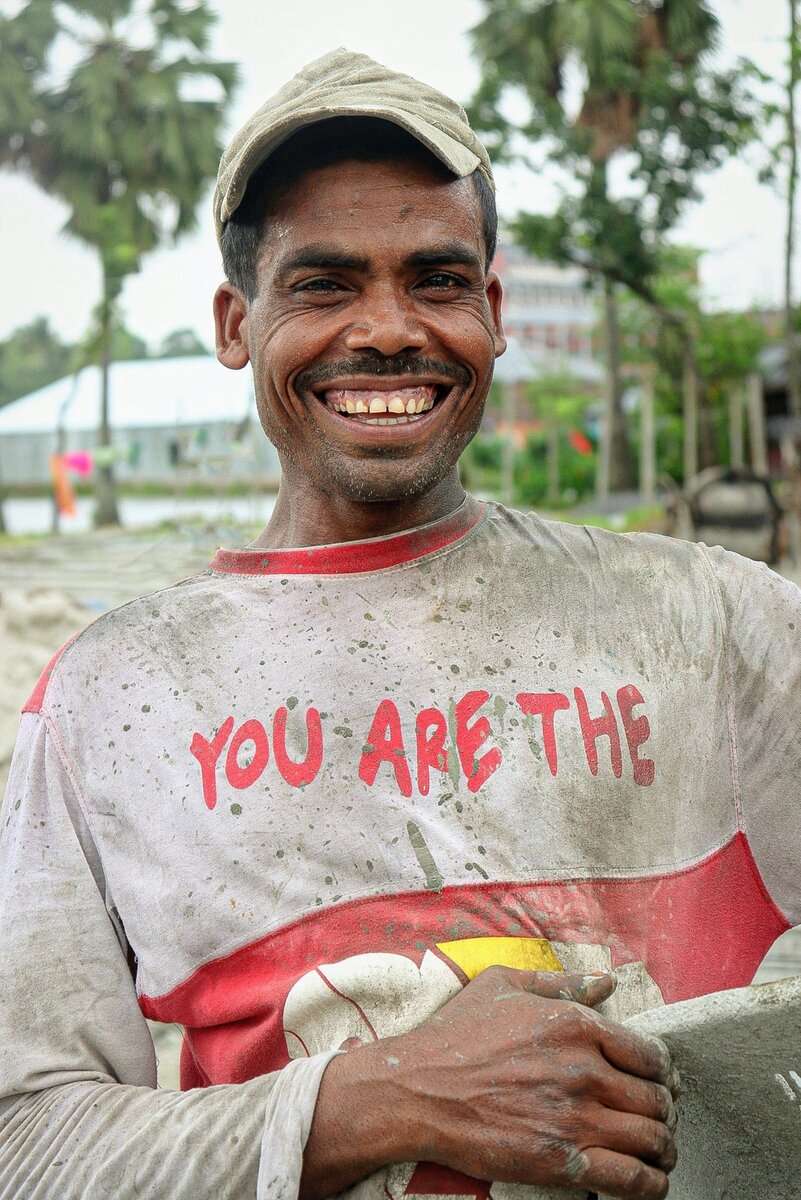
385,477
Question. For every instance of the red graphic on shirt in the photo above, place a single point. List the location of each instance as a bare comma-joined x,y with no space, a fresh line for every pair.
253,733
364,997
429,1179
391,750
701,929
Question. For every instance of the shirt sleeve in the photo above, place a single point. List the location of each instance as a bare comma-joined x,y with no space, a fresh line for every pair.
762,631
80,1114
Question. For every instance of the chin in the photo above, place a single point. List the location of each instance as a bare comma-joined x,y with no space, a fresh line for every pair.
385,483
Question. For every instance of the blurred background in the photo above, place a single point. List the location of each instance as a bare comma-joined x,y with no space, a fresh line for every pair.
647,168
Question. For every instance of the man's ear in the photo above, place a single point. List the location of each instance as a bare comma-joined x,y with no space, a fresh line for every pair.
495,298
231,327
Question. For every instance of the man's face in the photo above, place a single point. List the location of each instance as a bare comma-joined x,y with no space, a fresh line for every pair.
374,329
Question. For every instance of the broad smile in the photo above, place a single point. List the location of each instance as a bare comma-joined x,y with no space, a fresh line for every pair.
383,402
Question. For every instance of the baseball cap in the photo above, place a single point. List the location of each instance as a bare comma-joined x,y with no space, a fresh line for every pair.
345,84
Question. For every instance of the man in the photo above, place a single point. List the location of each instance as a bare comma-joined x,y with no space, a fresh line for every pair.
373,807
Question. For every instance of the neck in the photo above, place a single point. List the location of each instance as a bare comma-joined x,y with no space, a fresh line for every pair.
304,517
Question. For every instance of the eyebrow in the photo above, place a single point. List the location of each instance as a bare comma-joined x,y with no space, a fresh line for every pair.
450,253
320,257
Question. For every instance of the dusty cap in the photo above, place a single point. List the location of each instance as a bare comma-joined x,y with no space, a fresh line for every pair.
344,84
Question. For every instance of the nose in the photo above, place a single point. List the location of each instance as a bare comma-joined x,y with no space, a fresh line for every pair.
387,323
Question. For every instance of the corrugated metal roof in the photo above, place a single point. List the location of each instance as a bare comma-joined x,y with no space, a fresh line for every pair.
519,365
150,393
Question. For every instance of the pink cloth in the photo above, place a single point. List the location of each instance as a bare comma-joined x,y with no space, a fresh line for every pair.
79,461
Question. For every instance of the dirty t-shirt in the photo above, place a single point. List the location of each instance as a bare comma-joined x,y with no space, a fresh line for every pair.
306,795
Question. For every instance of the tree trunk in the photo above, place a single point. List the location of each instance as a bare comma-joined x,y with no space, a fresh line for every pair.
552,461
755,404
736,433
510,409
791,343
616,468
690,391
648,435
708,454
106,512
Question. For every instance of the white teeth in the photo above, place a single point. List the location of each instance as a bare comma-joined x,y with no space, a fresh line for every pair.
411,406
396,405
378,405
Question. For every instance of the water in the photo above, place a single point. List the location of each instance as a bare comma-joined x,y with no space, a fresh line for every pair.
34,515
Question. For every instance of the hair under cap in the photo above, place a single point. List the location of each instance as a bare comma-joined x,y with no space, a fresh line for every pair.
345,84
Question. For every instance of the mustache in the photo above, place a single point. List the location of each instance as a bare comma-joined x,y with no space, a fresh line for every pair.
380,366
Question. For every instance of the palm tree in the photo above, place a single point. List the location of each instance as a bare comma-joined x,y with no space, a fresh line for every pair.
636,64
118,139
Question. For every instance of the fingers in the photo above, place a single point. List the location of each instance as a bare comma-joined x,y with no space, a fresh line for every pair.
638,1137
589,990
638,1054
619,1175
641,1097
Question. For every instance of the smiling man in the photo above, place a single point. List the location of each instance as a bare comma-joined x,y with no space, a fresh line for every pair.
401,810
371,323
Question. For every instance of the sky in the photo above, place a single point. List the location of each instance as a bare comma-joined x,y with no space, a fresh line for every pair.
738,223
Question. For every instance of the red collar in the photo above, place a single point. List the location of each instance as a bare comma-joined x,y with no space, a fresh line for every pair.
347,558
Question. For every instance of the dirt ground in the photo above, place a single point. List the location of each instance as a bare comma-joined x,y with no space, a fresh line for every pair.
51,587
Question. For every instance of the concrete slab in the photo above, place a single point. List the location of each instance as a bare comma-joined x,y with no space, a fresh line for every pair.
739,1056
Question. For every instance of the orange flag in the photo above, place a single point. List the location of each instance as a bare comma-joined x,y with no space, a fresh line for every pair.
62,488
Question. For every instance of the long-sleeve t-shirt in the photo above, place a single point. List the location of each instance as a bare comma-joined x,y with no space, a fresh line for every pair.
305,796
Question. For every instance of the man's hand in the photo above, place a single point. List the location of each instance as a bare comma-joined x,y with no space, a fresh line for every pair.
515,1079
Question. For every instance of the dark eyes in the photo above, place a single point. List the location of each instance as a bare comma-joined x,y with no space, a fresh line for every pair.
318,285
439,281
442,280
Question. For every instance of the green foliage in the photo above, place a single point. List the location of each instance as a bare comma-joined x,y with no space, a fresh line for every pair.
484,456
726,349
117,138
649,92
181,343
576,472
729,345
30,358
128,136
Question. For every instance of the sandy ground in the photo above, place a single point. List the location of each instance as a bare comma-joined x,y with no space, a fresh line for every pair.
51,587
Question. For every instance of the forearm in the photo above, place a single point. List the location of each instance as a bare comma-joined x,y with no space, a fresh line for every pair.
233,1142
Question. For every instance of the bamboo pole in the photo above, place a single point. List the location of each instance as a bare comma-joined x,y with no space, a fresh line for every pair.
736,429
690,405
553,459
756,424
647,436
508,457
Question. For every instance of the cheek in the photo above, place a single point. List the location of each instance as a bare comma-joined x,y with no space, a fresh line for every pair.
290,343
471,335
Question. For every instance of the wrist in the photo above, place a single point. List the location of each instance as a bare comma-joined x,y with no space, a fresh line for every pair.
364,1119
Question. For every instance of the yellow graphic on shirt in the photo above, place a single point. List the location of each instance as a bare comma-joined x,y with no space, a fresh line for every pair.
474,955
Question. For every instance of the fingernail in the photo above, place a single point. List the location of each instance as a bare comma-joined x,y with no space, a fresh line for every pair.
664,1054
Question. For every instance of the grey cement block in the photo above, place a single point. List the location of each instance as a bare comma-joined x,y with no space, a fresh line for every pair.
739,1057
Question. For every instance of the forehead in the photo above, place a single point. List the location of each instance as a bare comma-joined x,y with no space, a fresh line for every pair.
379,204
